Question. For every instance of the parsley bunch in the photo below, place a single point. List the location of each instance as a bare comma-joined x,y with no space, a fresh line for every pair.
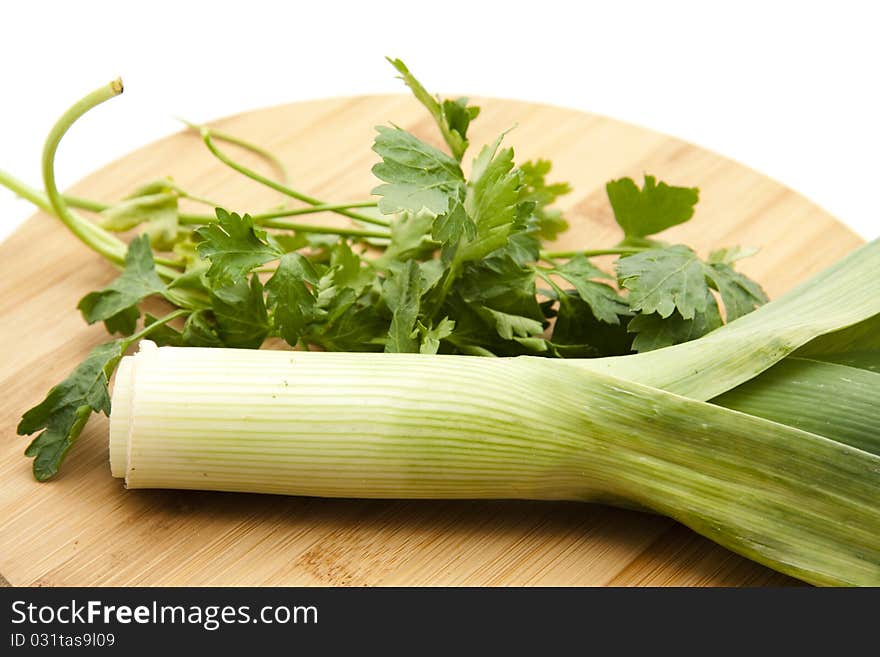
444,262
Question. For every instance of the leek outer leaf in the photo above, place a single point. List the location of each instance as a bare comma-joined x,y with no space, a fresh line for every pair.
827,399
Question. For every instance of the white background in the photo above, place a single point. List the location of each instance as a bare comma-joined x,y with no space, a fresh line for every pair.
790,89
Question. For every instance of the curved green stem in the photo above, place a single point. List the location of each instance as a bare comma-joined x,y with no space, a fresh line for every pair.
25,191
199,219
278,187
248,146
145,331
91,235
39,198
323,230
321,207
589,253
94,237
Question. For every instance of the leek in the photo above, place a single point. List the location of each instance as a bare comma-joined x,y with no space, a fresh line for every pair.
781,465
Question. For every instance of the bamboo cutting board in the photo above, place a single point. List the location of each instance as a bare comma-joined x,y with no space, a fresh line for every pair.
84,529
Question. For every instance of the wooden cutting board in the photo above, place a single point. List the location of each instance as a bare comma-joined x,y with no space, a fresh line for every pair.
84,529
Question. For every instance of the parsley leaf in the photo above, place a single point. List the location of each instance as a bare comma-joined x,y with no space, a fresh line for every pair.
410,238
163,335
417,176
200,330
663,280
240,312
651,209
431,337
740,294
116,304
67,407
492,202
549,222
511,326
452,116
654,332
578,333
293,302
234,247
604,301
155,205
402,292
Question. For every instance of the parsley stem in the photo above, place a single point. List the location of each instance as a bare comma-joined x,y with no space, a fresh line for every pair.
39,198
325,230
321,207
91,235
261,218
278,187
25,191
589,253
145,331
253,148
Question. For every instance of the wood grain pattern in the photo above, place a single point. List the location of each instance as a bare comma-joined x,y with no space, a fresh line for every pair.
85,529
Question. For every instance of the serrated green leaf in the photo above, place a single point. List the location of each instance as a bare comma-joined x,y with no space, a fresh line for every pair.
116,304
492,203
163,335
578,333
431,337
124,322
402,293
663,280
234,247
452,116
512,326
536,189
410,238
655,332
240,312
452,227
740,294
651,209
730,255
581,267
417,176
606,304
293,302
351,327
67,407
200,330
